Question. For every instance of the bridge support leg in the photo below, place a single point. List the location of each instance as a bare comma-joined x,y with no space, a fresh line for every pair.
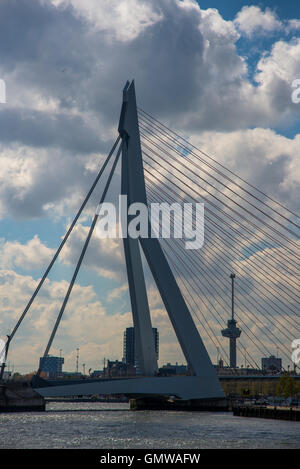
144,338
185,329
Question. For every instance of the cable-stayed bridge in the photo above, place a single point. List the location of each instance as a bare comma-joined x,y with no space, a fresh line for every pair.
246,231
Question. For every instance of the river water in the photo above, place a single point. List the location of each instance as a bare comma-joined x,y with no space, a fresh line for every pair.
113,425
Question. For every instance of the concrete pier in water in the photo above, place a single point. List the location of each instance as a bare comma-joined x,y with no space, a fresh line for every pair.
161,403
20,397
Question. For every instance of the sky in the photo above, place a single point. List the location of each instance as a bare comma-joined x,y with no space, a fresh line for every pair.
220,73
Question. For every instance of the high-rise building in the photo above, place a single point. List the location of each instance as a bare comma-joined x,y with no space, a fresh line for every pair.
156,341
129,355
129,346
52,365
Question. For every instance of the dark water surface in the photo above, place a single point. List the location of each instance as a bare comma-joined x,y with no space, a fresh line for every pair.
107,425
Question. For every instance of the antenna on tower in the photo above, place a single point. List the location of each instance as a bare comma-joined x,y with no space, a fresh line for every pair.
77,360
232,276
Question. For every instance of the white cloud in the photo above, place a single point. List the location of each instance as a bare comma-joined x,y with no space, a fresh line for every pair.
123,20
251,19
65,101
275,74
85,322
263,157
30,256
39,182
215,28
293,25
117,293
104,255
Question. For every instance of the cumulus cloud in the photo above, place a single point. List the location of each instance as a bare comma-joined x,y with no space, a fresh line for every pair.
251,19
116,293
64,99
85,323
275,73
34,183
104,255
32,255
263,157
65,64
293,24
122,20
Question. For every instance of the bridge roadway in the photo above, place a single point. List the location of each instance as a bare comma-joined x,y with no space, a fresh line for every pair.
184,387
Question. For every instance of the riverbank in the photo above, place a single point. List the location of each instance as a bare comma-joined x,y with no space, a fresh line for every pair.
85,399
279,413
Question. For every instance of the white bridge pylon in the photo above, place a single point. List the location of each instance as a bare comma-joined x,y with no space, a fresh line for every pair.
204,382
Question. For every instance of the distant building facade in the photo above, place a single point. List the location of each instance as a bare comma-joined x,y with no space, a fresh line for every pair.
129,353
52,365
228,371
116,368
97,374
176,369
271,364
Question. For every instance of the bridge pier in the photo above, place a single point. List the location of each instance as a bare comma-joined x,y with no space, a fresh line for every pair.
164,403
20,397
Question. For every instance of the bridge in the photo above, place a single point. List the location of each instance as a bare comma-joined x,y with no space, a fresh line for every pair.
245,230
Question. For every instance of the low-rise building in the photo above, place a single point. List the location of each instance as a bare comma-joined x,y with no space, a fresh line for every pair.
271,364
176,369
